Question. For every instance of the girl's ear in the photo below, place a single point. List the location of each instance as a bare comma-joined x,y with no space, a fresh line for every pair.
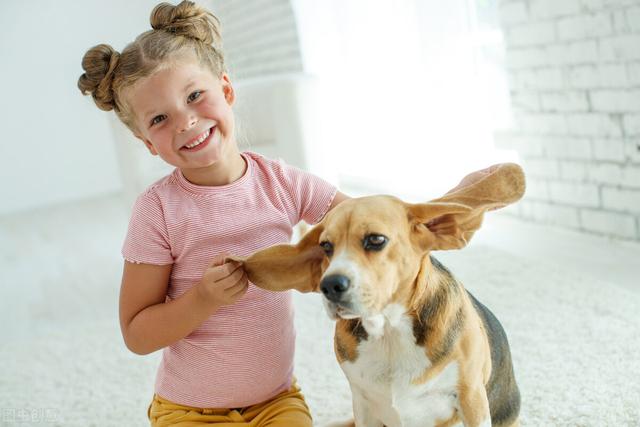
147,144
150,147
284,267
227,89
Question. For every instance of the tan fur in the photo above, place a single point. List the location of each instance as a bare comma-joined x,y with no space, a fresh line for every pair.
402,273
345,344
472,352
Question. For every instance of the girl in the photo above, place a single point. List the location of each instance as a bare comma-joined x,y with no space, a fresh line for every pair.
228,347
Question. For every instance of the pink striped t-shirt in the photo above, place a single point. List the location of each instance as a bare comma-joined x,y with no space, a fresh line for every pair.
243,354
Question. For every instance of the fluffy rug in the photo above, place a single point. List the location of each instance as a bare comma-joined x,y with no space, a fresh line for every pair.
574,339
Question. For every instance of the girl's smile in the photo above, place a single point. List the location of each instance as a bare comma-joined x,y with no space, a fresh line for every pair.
200,142
183,114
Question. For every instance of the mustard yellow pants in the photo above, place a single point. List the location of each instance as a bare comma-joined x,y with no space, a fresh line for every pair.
288,409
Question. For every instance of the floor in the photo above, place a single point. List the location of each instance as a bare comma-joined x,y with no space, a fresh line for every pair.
606,259
569,302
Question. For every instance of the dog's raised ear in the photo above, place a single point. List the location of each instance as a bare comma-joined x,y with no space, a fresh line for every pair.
284,267
450,221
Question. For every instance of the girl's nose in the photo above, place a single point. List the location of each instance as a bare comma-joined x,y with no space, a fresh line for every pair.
187,123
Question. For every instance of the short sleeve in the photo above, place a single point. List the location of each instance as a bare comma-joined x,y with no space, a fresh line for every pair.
311,195
147,240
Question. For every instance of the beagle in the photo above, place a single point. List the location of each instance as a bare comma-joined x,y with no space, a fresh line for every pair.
416,347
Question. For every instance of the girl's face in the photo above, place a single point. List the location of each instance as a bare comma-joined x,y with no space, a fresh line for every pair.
183,114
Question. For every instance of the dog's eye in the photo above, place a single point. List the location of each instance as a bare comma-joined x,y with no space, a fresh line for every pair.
327,247
374,242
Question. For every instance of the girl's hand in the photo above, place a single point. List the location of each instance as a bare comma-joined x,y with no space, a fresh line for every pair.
223,283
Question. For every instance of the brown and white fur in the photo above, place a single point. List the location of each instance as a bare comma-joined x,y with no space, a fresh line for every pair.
416,347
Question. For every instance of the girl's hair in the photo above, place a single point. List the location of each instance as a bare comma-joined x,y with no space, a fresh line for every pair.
178,31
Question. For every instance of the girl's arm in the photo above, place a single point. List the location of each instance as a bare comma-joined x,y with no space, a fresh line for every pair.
149,323
339,197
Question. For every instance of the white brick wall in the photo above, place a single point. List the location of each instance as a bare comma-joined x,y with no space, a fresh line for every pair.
632,124
260,37
574,75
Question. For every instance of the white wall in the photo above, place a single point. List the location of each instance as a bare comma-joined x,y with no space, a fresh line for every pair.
260,37
56,145
574,71
407,112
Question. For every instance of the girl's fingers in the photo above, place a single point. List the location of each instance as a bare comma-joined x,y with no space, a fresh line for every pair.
223,259
240,287
220,272
234,278
218,259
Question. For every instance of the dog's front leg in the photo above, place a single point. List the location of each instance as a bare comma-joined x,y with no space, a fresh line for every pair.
362,413
474,407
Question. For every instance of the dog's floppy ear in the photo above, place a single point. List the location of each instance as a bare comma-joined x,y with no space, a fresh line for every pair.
284,267
450,221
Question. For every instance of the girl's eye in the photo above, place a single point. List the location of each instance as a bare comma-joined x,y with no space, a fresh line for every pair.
195,95
158,119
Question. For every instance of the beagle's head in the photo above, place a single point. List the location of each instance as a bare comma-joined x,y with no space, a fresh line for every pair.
368,252
373,247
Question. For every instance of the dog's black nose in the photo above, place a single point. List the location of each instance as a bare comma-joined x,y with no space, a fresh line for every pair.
334,286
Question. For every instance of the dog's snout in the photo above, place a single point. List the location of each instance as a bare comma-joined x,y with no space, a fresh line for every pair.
334,286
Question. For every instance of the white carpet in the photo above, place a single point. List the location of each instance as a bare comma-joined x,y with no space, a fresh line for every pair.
574,338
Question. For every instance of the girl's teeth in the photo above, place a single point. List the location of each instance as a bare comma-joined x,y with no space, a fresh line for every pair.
199,141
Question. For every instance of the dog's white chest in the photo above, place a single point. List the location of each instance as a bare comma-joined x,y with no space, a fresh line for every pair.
382,377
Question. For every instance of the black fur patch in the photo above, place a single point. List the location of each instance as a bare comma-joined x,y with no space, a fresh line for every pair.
502,390
450,338
423,321
355,328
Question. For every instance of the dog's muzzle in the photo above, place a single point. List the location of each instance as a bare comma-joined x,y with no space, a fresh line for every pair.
334,287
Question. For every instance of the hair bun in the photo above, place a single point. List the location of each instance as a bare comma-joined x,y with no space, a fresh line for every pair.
189,20
99,63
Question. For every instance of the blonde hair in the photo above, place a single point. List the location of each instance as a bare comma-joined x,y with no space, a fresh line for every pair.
178,31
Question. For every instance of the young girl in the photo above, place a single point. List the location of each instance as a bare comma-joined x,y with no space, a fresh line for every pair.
228,346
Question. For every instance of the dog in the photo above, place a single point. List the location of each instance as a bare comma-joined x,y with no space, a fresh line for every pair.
417,348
